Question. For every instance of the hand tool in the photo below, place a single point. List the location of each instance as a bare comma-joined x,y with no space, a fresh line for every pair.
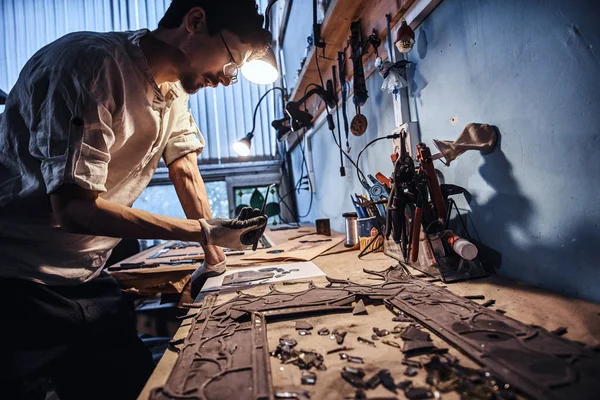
260,232
342,72
418,217
424,158
142,265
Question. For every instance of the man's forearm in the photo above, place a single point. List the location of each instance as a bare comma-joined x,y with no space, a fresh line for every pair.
105,218
189,185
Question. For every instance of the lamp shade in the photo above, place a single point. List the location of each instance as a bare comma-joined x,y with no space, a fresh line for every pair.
262,71
242,146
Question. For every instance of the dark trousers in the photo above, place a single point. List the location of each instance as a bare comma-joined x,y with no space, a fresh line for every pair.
79,340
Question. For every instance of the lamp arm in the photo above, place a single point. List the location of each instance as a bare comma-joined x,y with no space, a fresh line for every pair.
328,95
267,14
257,106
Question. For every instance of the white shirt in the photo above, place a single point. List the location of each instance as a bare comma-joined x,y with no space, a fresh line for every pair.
85,111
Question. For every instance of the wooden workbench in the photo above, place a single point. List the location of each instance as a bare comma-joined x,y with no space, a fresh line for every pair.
520,301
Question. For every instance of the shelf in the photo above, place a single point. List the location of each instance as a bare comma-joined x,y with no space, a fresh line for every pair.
335,32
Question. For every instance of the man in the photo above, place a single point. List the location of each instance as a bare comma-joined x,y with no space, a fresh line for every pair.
83,131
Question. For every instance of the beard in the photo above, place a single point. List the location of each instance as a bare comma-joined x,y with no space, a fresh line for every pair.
188,82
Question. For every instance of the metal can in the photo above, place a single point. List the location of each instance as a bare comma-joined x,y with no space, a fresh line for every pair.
351,229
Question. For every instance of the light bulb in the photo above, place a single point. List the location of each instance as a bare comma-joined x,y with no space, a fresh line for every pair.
242,148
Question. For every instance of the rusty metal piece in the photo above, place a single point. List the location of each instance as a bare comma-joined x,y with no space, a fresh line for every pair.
381,332
360,308
338,336
561,330
202,347
287,340
488,303
354,370
403,385
392,343
411,363
323,332
401,317
474,297
337,350
303,326
387,380
373,381
415,347
308,378
413,333
418,393
366,341
352,379
352,359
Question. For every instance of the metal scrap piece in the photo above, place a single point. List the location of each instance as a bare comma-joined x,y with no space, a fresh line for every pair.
304,333
391,343
561,330
374,337
354,370
360,308
323,332
292,394
411,371
352,359
366,341
381,332
352,379
401,317
488,303
337,350
411,363
474,297
403,385
373,381
287,340
338,336
414,347
387,380
412,333
308,378
418,393
303,326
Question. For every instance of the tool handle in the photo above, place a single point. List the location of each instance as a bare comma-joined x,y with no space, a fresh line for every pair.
424,156
416,233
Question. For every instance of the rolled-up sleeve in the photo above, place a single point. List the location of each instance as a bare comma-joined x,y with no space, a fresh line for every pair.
185,137
72,132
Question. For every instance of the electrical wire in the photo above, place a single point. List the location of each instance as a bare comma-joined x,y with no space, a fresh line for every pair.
394,136
358,170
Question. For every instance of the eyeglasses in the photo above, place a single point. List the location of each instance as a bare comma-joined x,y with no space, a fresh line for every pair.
230,69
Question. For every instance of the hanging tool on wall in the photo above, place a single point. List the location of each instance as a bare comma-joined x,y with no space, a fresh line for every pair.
339,128
359,123
344,88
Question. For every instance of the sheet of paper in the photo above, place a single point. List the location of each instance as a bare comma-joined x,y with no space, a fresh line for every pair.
281,272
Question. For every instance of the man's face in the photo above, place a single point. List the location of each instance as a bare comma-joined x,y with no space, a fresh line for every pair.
206,55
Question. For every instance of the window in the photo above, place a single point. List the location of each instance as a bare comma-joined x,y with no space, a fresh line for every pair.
163,200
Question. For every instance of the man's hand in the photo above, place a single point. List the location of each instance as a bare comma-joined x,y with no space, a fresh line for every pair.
237,233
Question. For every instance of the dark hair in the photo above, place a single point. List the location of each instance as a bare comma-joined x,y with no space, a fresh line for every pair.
238,16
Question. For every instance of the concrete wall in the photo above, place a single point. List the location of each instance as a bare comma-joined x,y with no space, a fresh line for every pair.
531,68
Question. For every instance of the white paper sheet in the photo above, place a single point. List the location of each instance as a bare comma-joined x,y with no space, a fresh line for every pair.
306,269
